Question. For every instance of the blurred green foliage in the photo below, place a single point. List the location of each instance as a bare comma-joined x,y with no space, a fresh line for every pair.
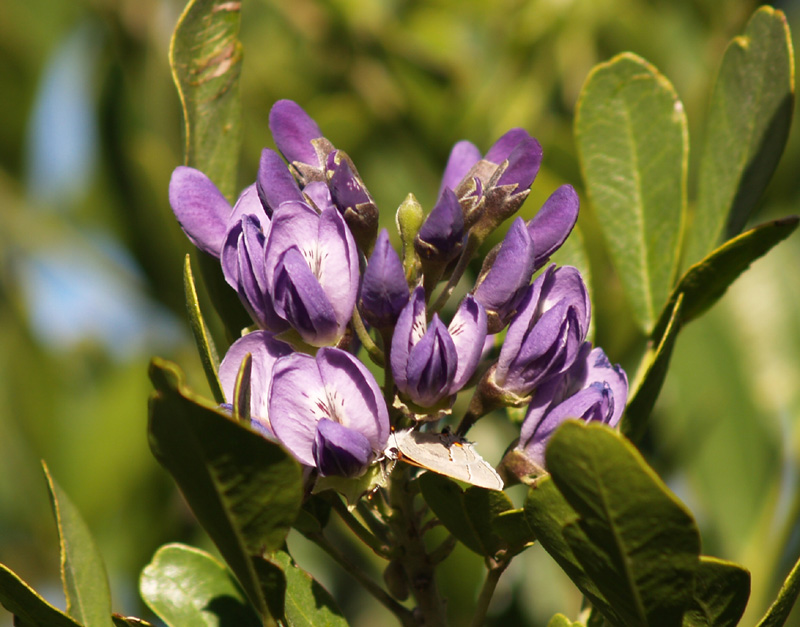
394,83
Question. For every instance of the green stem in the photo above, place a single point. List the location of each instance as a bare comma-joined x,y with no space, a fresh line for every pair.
419,568
375,353
496,569
379,548
404,615
473,242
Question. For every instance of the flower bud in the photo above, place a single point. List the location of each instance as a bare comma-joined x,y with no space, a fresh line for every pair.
384,291
351,197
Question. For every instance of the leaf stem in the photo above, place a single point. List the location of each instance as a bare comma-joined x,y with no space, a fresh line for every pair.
404,615
379,548
496,569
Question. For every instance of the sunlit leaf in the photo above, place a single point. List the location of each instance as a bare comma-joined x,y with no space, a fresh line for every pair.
245,490
308,604
747,127
82,569
559,620
186,586
632,537
721,590
632,139
779,611
706,281
202,336
29,608
645,389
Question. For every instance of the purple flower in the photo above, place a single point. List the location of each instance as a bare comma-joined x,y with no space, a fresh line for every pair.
591,390
299,140
264,350
545,334
505,275
433,363
275,182
351,197
328,411
440,238
311,271
462,157
384,290
553,223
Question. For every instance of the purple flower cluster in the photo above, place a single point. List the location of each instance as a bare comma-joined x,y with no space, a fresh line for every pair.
302,249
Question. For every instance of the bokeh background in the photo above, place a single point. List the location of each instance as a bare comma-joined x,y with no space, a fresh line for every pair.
91,256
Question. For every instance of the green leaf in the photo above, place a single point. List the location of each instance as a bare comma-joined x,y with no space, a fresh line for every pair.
245,490
559,620
633,538
82,569
241,390
186,586
721,590
206,59
512,525
30,609
548,514
633,144
747,127
653,369
129,621
706,281
202,337
308,604
779,611
469,515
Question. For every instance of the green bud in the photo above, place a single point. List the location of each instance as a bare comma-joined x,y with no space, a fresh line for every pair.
410,217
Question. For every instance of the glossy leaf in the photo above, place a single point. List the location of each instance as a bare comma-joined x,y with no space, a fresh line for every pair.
28,607
202,337
241,390
632,139
186,586
548,514
468,515
206,59
244,489
779,611
706,281
647,386
632,537
308,604
721,590
747,128
129,621
83,572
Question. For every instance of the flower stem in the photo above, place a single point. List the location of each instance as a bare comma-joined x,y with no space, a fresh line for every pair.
375,353
473,241
496,569
404,615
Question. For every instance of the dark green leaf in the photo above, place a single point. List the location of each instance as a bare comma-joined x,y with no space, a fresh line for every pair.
82,569
28,607
512,525
778,612
633,145
747,127
548,514
241,391
202,336
653,369
468,515
632,536
245,490
186,586
706,281
308,604
129,621
206,59
721,590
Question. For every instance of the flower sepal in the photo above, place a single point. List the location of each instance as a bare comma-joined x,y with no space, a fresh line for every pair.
417,413
516,467
352,489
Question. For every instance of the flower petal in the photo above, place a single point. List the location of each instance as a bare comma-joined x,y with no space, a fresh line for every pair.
201,209
384,290
523,165
462,157
354,396
275,183
340,451
468,332
265,350
441,235
337,265
432,365
553,223
411,326
293,129
502,148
